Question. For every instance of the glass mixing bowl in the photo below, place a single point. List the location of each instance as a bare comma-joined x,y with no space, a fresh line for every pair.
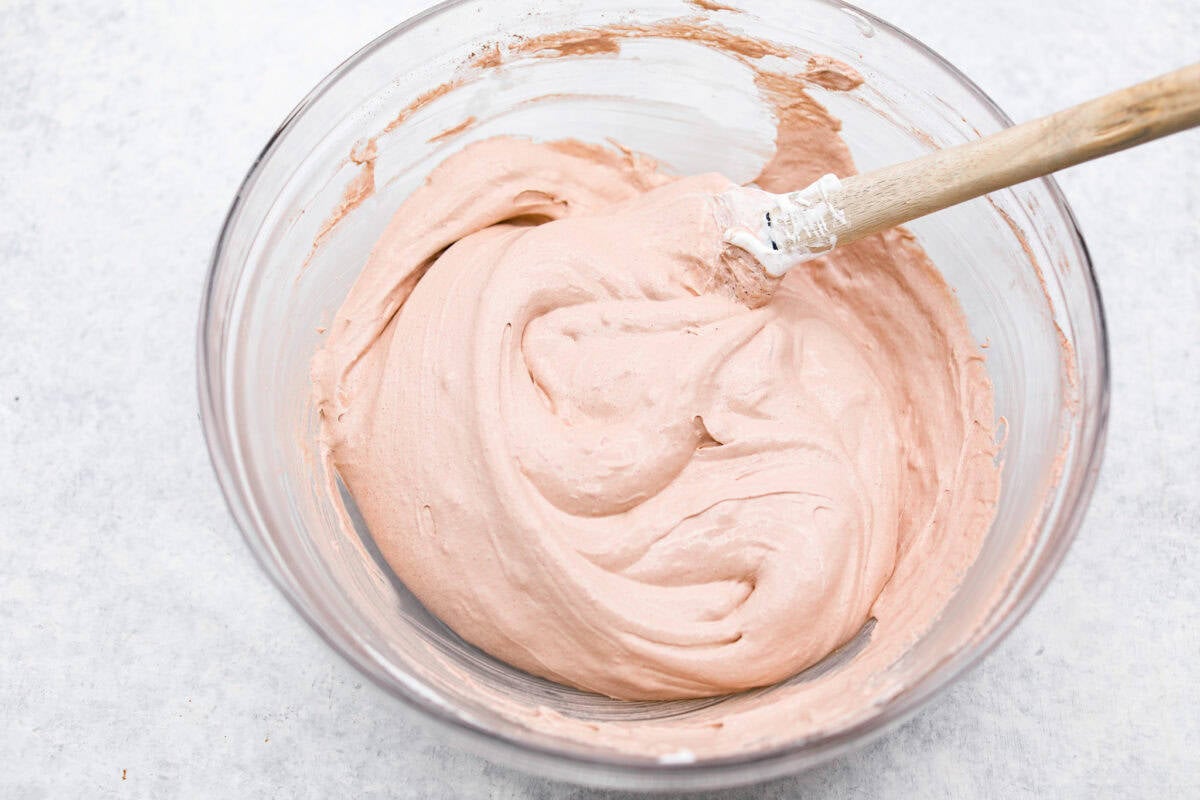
1015,260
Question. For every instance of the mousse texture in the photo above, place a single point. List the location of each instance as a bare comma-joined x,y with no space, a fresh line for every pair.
601,446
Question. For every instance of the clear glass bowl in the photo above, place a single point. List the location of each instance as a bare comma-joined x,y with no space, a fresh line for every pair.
1016,261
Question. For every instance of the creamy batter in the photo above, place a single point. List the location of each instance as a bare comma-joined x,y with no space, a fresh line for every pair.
603,447
582,438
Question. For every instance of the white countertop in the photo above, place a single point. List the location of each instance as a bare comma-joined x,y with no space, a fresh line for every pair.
144,654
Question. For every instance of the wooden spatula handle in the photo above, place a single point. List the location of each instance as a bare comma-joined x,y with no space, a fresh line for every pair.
897,194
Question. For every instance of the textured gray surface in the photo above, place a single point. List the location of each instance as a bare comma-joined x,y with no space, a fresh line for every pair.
143,653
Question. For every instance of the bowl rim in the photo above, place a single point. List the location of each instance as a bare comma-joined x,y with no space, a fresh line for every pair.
611,769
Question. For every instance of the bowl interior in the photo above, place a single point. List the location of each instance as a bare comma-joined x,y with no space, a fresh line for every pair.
1014,260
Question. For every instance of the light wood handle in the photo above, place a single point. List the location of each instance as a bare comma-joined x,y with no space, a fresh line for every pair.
890,196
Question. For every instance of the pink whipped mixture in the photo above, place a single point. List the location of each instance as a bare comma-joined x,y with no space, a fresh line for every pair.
597,444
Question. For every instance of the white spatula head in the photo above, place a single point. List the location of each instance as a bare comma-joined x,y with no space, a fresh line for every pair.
783,230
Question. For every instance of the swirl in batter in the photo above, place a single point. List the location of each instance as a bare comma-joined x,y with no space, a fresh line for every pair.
599,446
